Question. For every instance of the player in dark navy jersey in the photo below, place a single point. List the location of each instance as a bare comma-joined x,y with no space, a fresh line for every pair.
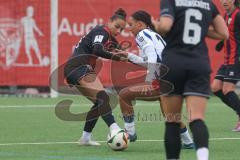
185,24
79,72
228,74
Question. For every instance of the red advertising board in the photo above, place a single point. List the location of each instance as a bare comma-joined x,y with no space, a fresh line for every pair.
25,35
24,42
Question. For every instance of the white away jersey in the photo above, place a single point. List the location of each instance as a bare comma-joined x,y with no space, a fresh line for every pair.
147,38
151,46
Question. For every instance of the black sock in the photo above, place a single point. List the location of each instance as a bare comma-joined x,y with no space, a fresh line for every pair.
90,120
172,140
233,101
200,133
104,106
221,96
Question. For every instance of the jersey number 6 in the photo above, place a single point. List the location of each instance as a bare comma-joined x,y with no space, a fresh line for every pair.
192,31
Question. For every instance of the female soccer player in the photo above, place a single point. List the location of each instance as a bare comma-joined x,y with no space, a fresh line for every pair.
228,74
79,72
185,25
151,45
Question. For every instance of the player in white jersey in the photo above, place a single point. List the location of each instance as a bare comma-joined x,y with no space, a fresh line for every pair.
151,46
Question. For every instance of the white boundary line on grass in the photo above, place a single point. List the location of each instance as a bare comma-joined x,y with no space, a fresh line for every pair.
53,143
74,105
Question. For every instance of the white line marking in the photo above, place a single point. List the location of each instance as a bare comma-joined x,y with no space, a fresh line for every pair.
75,105
52,143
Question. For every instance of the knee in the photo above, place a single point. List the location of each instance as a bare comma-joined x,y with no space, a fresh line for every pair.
124,95
227,89
102,97
215,87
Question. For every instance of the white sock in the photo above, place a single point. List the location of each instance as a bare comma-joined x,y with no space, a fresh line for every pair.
202,153
86,135
114,126
186,138
130,127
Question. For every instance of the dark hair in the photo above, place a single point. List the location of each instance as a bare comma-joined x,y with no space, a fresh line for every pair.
120,13
144,17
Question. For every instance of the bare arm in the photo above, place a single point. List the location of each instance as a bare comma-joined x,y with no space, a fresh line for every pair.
218,30
164,25
37,29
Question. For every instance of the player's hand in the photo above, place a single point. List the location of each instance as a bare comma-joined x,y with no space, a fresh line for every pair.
147,89
120,57
118,51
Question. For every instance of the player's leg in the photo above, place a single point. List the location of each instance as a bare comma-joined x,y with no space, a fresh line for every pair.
233,100
126,97
217,84
87,82
185,136
224,86
172,106
196,107
91,87
197,88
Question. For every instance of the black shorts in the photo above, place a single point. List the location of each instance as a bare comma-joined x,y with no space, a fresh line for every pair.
79,65
188,82
74,74
229,73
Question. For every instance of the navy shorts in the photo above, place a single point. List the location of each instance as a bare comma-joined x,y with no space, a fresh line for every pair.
189,82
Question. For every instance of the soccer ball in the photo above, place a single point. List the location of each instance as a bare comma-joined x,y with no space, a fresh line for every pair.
118,140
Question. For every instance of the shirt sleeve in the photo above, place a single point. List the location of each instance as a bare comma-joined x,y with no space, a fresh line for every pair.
152,64
136,59
167,8
144,40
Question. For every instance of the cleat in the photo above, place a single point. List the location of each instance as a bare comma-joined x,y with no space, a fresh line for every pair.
133,137
188,146
90,142
237,128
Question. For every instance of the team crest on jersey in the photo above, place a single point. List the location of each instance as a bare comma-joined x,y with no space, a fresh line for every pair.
98,38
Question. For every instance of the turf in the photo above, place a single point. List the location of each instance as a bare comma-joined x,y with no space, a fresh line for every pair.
30,130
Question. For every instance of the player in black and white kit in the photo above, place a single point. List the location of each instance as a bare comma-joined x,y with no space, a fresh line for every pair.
151,46
79,72
185,24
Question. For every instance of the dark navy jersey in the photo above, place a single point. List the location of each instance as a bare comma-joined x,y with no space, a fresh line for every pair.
84,50
186,39
98,35
232,45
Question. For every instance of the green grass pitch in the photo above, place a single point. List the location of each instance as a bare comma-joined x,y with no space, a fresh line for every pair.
29,130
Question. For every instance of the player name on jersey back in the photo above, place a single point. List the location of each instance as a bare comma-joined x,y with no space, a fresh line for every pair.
193,3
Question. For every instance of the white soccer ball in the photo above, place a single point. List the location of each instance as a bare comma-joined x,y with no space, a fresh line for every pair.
118,140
